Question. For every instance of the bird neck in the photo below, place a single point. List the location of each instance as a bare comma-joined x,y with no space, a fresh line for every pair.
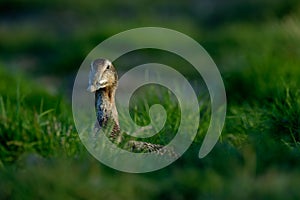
105,106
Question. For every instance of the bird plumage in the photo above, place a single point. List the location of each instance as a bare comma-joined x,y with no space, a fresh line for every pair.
103,81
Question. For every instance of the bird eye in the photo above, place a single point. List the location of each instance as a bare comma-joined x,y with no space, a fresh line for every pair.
108,67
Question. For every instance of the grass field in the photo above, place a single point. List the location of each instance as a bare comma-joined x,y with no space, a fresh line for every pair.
257,156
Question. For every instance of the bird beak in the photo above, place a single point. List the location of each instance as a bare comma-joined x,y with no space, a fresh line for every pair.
97,85
91,88
96,78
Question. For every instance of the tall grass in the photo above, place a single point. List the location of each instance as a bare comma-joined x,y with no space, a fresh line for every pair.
44,128
257,156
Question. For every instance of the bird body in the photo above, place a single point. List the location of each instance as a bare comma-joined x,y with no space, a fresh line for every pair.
103,81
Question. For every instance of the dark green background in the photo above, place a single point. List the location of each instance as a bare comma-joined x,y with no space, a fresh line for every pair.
256,46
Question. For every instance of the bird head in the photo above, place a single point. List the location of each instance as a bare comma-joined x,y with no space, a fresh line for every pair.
102,75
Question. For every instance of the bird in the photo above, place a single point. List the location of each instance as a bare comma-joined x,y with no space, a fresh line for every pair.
103,81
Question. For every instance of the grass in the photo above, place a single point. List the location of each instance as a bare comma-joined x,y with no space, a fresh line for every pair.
258,150
33,121
257,156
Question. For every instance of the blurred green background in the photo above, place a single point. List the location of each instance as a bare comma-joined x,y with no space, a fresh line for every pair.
255,44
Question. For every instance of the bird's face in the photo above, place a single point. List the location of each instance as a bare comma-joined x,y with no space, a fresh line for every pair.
102,75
